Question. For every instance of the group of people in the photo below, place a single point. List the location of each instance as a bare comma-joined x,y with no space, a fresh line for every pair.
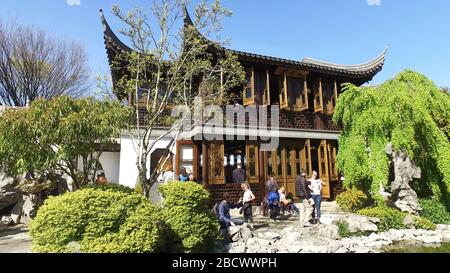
308,191
168,175
186,176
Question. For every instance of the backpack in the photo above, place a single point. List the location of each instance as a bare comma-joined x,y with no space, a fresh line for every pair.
273,198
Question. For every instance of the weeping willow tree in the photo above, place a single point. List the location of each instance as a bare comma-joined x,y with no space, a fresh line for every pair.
410,112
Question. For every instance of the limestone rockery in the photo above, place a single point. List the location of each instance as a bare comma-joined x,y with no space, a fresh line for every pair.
287,237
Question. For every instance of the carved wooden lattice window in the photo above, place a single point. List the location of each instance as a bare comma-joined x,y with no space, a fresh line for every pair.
217,162
266,91
298,93
332,151
318,97
249,87
305,156
283,91
329,92
335,95
252,163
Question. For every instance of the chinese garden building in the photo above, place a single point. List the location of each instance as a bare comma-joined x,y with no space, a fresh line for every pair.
306,92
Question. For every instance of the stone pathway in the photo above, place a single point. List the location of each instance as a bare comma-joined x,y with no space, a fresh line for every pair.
15,240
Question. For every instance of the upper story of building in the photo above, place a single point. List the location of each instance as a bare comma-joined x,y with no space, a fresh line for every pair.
306,90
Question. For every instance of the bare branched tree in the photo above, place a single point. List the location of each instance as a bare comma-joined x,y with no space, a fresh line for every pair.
172,64
35,65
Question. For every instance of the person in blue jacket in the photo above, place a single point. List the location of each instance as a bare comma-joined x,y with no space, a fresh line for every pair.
224,211
184,176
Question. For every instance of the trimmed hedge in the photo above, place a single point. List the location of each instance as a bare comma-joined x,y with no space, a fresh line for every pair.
185,210
97,220
111,186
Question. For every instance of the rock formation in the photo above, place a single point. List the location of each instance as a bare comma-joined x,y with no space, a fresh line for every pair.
404,170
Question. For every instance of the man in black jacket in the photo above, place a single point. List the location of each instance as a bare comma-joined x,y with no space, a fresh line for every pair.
303,193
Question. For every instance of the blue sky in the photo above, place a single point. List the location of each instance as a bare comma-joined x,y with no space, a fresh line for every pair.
339,31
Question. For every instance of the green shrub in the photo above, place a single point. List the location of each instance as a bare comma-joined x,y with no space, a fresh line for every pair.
185,212
352,200
434,211
138,187
343,229
111,186
97,220
186,194
422,223
389,217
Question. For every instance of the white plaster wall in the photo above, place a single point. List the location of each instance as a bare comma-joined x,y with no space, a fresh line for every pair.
110,162
128,173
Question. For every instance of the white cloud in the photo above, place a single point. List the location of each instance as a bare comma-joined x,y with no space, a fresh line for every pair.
374,2
73,2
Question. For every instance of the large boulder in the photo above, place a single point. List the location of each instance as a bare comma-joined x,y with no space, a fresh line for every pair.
8,199
404,170
357,222
8,195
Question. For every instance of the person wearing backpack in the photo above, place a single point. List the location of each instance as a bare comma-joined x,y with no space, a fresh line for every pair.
273,198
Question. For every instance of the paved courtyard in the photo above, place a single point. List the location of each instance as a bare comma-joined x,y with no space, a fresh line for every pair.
15,240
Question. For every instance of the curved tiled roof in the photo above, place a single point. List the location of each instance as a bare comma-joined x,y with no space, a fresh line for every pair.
362,72
111,40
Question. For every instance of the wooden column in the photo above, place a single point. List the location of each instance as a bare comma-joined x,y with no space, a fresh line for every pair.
262,180
205,160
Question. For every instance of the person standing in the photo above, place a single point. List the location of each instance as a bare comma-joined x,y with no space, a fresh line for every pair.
316,186
184,176
303,193
247,204
273,198
239,174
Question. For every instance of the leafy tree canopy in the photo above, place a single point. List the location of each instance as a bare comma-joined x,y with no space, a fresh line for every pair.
49,136
409,111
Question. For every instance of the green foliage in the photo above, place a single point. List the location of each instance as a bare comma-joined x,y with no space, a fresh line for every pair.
434,211
98,220
138,187
352,200
186,213
189,195
47,136
409,111
423,223
111,186
343,230
389,218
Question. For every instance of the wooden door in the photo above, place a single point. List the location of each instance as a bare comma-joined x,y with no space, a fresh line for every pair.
291,155
323,168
